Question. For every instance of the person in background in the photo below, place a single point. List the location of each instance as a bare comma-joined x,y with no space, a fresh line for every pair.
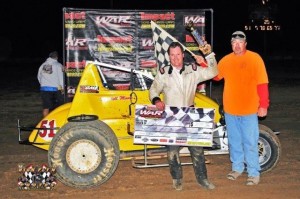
245,98
51,79
178,82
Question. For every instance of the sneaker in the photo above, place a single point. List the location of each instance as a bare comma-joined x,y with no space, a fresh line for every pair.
233,175
253,180
177,184
206,184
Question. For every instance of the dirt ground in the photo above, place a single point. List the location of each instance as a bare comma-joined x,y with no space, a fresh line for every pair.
19,99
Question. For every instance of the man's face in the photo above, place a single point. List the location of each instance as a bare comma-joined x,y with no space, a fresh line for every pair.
239,46
176,57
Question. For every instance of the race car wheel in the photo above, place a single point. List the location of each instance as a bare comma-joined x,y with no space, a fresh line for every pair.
265,128
269,150
82,118
84,154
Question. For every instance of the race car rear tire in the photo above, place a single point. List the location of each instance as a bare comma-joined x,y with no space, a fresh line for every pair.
269,149
84,154
265,128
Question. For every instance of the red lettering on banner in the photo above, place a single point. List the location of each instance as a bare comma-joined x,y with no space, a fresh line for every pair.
151,114
155,17
189,38
75,64
148,63
126,39
75,15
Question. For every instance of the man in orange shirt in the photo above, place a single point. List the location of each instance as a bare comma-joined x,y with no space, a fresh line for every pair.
245,98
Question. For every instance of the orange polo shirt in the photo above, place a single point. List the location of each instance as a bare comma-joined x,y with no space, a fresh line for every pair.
241,76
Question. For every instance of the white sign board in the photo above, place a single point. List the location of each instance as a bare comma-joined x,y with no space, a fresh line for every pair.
183,126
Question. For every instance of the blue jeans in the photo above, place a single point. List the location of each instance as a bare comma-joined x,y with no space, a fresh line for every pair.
243,134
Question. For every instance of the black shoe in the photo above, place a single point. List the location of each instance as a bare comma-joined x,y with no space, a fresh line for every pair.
206,184
177,184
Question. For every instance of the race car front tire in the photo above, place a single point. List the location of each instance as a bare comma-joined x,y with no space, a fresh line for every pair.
84,154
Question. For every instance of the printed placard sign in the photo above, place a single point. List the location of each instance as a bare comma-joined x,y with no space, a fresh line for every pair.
183,126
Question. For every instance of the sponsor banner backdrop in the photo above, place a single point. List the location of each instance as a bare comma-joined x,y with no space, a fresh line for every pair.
121,37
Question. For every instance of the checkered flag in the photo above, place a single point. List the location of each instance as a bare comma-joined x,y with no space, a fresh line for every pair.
162,40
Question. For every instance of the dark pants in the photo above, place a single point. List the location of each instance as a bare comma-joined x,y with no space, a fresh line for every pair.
52,99
198,159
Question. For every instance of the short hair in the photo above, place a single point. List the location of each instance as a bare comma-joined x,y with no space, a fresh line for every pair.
175,44
53,54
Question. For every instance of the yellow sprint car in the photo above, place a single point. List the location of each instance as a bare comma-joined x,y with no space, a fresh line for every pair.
87,137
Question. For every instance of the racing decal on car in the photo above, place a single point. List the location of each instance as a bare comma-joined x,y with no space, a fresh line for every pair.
89,89
48,129
121,98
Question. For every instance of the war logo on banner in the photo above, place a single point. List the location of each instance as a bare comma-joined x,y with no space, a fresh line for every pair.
183,126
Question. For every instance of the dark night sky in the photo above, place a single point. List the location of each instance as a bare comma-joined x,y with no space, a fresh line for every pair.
32,30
